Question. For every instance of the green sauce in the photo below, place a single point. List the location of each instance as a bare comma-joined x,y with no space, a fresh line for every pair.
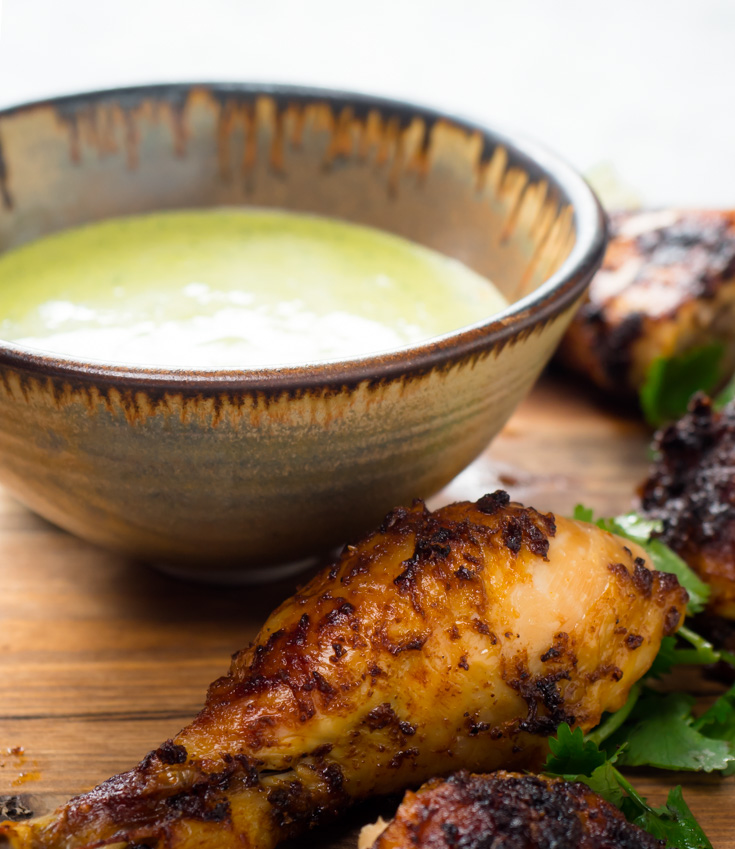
232,289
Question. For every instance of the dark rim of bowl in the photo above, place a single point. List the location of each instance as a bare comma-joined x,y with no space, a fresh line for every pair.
551,298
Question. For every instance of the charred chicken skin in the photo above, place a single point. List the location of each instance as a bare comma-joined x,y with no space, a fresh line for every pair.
455,639
509,810
667,285
691,489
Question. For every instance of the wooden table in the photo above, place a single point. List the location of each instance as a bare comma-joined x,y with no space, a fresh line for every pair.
102,659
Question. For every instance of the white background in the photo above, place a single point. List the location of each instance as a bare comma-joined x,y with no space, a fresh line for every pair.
648,85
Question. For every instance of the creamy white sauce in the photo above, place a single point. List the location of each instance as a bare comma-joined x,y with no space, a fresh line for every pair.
232,289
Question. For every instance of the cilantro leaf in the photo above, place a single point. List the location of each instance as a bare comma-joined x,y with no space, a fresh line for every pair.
604,780
661,734
571,754
718,723
673,823
719,720
671,382
583,514
575,759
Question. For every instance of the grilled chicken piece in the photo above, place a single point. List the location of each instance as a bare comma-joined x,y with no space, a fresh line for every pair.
691,488
509,810
667,285
447,640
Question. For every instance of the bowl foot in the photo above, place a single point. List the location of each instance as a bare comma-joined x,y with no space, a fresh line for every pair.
235,576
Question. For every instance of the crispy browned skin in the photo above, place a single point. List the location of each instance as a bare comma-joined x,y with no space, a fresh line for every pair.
691,488
447,640
512,811
667,285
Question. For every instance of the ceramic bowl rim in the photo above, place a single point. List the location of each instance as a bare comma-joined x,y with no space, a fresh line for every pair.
551,298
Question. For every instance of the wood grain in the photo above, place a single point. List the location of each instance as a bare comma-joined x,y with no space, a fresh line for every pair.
102,659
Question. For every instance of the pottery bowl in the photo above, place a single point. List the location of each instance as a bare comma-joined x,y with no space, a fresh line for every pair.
242,473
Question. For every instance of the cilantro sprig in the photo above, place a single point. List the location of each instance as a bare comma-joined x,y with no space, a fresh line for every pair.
673,822
576,758
661,733
660,729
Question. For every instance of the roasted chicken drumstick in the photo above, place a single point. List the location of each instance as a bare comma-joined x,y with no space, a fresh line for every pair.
666,286
447,640
508,810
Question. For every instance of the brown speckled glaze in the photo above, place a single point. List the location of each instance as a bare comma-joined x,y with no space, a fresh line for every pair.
241,469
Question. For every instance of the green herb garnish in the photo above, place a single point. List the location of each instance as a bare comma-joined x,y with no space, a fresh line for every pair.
671,382
673,822
660,732
576,758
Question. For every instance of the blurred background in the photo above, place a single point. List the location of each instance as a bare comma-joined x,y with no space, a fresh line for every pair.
642,86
